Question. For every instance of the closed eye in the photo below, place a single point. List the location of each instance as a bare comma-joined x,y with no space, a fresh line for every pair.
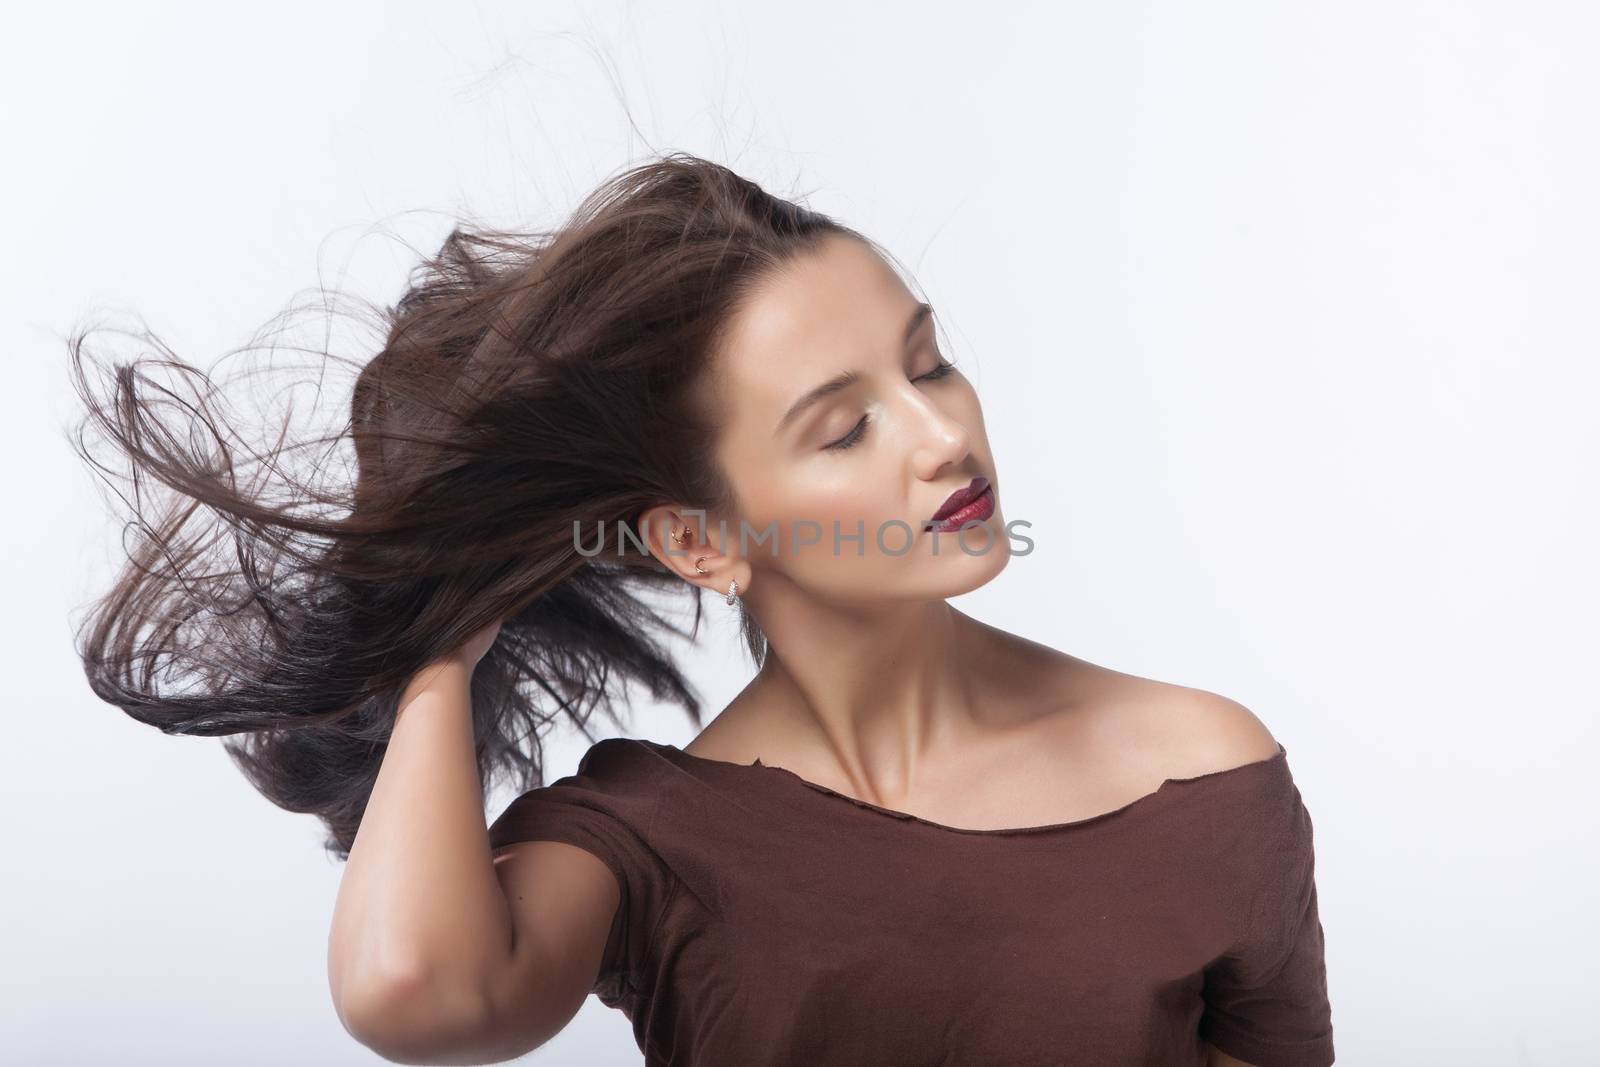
859,430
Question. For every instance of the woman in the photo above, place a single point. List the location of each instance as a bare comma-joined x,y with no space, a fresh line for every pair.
912,839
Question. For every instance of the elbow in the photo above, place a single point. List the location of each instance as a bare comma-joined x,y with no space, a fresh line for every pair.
414,1019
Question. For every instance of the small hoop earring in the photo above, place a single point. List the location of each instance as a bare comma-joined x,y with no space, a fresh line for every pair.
733,591
681,537
699,569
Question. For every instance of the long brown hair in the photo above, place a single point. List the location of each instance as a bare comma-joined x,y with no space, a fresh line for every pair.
527,381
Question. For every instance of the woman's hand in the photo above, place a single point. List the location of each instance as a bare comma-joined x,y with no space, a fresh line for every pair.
462,660
474,648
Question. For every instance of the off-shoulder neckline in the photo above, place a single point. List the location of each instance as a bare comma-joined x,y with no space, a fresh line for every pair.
1168,787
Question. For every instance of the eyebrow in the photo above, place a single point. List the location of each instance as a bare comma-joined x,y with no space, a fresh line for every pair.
845,379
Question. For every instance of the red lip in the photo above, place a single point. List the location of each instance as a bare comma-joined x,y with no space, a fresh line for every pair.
961,497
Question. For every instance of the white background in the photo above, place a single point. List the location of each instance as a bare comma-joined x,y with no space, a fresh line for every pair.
1284,320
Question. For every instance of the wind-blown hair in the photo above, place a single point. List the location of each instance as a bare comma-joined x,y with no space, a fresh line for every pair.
527,381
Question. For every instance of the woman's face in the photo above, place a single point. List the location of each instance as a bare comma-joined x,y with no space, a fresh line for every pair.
877,455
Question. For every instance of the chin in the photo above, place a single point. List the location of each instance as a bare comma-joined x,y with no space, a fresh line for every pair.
969,572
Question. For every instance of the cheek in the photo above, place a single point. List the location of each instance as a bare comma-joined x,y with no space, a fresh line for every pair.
798,498
860,507
847,494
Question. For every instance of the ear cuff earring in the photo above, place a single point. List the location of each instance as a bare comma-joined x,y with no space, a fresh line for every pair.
733,586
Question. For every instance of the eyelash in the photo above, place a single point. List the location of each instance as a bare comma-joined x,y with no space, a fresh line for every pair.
851,439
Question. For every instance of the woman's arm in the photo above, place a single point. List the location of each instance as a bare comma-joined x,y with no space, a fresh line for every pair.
420,919
434,956
1215,1057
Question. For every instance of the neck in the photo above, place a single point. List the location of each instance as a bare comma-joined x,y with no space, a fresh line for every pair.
870,693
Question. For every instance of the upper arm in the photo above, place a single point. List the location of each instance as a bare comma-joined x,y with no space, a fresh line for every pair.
563,900
1215,1057
1266,995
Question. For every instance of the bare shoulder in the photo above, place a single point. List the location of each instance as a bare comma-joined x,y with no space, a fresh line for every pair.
1218,733
1148,728
1164,729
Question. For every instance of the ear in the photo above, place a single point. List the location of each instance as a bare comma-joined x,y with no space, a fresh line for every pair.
673,535
675,540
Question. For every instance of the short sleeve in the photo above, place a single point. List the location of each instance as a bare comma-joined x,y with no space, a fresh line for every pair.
1266,999
607,808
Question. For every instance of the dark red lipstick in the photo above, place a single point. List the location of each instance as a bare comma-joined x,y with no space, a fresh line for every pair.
973,501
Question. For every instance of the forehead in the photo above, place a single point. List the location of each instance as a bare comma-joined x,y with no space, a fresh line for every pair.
831,309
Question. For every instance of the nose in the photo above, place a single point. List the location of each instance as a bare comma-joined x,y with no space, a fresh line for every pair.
941,441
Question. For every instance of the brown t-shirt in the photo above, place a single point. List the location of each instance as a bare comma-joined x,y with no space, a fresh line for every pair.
767,919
